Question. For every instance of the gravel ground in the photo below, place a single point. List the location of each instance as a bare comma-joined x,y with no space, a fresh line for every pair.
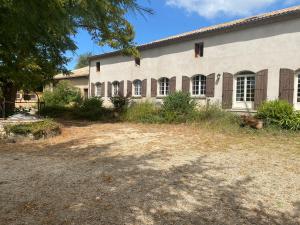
150,174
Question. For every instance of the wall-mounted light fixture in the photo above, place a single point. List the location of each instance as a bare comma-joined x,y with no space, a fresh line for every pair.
218,76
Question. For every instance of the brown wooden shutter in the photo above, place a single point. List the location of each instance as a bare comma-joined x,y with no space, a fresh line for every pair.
286,85
261,86
121,88
227,91
144,88
210,85
129,88
103,89
93,89
109,89
153,87
186,81
172,85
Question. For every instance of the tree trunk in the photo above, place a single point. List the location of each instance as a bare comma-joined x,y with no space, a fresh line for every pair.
9,91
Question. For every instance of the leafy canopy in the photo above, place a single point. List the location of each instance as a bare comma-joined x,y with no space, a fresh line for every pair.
63,94
83,60
36,34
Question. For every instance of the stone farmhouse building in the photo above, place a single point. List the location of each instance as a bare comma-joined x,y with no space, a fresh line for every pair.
78,78
238,64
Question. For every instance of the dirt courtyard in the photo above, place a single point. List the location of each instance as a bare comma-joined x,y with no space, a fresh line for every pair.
150,174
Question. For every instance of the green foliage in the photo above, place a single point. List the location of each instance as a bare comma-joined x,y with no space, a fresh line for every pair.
57,111
120,102
213,117
39,33
63,94
147,112
178,103
37,129
83,60
279,113
290,122
90,109
275,110
143,112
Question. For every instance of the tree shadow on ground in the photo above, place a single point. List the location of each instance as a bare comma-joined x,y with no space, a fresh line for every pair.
127,189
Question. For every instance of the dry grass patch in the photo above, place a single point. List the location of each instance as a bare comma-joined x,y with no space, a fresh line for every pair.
151,174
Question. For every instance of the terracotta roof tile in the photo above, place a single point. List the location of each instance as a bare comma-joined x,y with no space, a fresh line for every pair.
82,72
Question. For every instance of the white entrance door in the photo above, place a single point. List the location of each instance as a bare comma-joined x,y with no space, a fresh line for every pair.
244,91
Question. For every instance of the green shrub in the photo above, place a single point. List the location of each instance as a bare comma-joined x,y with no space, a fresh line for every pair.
144,112
63,94
178,104
37,129
90,109
120,102
56,111
279,113
275,110
290,122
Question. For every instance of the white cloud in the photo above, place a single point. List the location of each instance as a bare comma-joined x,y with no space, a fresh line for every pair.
217,8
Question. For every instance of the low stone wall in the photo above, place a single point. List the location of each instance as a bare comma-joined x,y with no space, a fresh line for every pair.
14,137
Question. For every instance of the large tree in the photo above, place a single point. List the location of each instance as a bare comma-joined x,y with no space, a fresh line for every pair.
83,60
35,35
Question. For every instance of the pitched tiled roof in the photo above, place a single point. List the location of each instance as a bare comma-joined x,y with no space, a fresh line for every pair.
82,72
271,17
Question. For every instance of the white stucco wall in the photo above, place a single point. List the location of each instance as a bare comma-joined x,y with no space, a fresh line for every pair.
271,47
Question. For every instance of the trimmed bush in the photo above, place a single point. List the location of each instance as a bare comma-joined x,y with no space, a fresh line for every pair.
37,129
63,94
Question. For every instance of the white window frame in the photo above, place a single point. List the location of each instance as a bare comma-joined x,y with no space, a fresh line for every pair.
137,88
163,86
297,90
98,90
243,104
115,88
201,83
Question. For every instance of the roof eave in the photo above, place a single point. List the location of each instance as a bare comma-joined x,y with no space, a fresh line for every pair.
245,24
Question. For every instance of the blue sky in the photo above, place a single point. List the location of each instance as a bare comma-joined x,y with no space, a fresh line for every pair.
178,16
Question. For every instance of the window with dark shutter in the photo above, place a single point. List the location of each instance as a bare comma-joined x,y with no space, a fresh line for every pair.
97,66
199,49
137,61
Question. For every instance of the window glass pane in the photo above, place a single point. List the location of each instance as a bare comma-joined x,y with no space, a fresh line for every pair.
203,85
138,88
115,88
199,85
195,88
240,89
250,89
98,90
164,86
298,89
